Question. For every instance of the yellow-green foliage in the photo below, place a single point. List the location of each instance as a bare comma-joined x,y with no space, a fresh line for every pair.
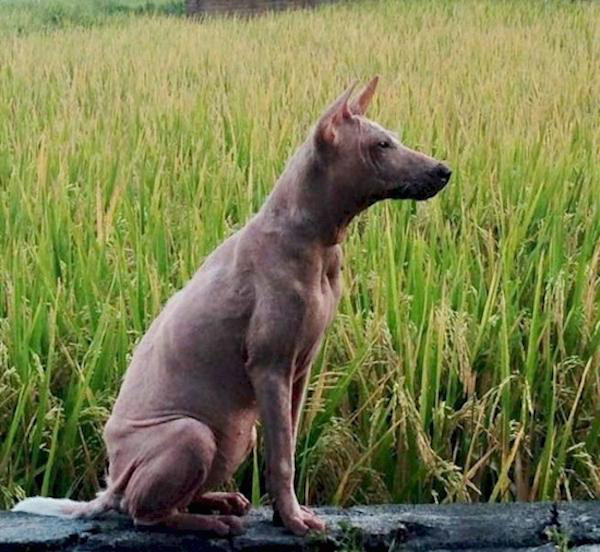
464,363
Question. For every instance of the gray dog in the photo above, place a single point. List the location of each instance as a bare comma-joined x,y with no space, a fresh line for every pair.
237,342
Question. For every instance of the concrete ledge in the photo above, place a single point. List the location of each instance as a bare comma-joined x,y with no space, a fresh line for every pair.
540,527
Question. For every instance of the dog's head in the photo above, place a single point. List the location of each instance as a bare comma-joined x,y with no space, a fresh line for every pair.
370,158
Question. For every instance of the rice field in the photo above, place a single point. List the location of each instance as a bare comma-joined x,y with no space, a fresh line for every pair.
464,363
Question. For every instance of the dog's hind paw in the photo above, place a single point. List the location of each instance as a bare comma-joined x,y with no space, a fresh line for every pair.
226,503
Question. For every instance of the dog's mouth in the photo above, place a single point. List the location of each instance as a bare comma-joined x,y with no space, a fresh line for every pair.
419,191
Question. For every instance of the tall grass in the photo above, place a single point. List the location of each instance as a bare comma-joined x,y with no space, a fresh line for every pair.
464,363
26,16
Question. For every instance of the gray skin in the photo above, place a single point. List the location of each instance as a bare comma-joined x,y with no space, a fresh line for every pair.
237,342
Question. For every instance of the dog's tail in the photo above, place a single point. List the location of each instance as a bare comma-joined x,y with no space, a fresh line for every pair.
64,507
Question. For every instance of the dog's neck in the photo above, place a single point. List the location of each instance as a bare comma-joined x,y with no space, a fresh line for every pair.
307,203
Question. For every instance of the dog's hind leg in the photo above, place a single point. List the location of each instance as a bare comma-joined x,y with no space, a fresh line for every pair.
224,502
172,470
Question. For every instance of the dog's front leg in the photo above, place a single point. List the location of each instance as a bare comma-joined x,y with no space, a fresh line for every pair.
298,396
273,389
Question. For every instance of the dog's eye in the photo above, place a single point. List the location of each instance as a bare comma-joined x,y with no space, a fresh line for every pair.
384,144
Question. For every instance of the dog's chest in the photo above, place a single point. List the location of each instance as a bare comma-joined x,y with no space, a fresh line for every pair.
330,282
321,302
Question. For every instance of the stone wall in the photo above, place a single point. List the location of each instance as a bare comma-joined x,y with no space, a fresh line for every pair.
247,7
508,527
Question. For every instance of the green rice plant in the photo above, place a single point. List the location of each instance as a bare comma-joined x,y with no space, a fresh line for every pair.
25,16
464,362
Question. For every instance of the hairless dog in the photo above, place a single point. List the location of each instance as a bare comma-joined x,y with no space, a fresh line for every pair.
237,342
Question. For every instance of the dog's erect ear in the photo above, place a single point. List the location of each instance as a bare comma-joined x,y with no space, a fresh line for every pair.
333,117
361,103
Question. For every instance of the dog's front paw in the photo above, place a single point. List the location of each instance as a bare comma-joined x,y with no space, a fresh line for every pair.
299,520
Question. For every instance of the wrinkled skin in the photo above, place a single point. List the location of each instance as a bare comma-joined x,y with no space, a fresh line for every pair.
237,342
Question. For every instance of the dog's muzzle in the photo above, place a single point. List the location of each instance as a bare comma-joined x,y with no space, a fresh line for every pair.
426,187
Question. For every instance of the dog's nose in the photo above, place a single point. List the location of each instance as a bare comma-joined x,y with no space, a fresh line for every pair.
442,172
